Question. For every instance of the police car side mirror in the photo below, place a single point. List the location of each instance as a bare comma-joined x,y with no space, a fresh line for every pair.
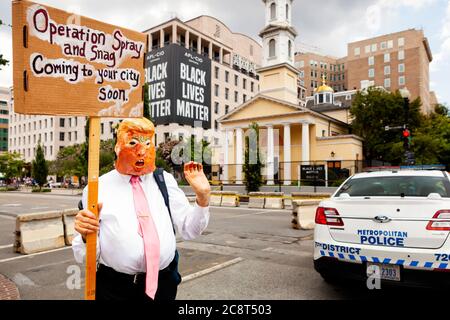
434,196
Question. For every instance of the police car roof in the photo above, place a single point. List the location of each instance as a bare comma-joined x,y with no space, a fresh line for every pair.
396,173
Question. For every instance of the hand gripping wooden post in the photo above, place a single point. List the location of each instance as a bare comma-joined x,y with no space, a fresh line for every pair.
68,65
93,173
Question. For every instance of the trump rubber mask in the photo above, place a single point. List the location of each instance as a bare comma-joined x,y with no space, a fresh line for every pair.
135,149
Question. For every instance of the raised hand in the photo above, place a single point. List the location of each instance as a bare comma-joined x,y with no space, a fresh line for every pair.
193,172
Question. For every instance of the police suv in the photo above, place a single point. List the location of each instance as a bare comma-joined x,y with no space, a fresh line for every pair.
392,224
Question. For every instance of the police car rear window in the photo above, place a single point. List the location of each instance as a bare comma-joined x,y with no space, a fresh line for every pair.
402,186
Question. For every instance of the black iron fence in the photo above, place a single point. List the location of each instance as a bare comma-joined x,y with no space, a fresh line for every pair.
326,173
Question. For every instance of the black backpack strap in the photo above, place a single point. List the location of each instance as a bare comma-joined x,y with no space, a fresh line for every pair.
158,174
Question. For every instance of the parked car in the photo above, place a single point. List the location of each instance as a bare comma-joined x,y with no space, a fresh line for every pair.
394,224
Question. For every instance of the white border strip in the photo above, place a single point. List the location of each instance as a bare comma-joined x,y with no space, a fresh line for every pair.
209,270
7,246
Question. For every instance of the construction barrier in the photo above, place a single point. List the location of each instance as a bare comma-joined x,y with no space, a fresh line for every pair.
215,199
309,195
229,199
303,214
274,200
36,232
68,218
256,200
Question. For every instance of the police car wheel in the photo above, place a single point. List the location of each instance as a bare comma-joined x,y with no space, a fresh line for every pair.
329,278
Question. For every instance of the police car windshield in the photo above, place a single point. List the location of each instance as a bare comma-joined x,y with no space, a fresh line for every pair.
401,186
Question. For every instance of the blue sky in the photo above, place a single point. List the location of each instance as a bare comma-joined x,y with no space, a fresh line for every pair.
328,27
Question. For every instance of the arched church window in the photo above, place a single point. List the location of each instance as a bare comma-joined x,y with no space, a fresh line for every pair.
272,44
290,49
287,11
273,11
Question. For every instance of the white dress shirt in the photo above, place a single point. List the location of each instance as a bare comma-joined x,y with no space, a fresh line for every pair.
119,244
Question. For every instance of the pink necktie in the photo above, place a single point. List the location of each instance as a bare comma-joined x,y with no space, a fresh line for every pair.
147,230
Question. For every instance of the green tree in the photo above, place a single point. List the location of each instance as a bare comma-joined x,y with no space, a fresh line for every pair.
431,141
164,155
375,109
39,167
252,163
11,165
147,103
3,61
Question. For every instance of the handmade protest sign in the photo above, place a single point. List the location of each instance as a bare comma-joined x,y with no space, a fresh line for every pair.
65,64
90,69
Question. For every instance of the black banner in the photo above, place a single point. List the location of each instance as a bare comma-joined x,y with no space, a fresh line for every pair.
179,86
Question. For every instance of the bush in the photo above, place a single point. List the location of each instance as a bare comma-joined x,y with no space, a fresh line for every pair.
9,188
41,190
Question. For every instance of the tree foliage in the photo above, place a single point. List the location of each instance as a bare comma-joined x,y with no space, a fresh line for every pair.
3,61
147,102
252,163
40,167
375,109
431,141
11,165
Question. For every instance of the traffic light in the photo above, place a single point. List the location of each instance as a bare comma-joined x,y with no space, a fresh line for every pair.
406,133
406,139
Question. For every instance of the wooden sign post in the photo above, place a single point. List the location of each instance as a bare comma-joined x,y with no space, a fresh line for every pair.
69,65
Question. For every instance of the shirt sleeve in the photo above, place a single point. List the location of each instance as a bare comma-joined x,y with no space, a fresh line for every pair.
189,220
78,246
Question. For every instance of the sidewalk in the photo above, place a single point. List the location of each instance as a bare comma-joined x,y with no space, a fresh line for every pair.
8,290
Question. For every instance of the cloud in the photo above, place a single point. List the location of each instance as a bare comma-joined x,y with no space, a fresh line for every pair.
442,57
6,51
328,27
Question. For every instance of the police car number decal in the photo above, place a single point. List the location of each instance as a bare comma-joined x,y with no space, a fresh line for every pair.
442,257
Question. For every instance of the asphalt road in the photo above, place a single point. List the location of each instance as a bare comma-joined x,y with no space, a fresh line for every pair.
243,254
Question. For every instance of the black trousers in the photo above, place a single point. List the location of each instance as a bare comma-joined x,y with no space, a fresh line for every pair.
113,285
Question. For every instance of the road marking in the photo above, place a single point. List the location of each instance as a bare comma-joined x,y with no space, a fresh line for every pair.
11,205
6,246
34,208
289,252
4,216
33,254
51,264
212,269
244,215
22,280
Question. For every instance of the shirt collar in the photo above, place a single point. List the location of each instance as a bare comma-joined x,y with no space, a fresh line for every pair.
126,177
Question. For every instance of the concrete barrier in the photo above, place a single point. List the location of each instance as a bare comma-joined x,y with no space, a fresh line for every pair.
288,204
191,199
304,213
256,200
309,195
215,199
36,232
274,200
68,218
230,199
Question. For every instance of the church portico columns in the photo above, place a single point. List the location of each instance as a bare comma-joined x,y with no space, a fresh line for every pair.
270,156
287,153
239,154
225,177
305,143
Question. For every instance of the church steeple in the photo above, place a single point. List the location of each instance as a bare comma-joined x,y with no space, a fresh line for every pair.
278,34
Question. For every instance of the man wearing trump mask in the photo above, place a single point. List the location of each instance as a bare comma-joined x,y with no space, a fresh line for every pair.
140,208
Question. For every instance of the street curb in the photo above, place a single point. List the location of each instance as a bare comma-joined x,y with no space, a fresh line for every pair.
8,290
